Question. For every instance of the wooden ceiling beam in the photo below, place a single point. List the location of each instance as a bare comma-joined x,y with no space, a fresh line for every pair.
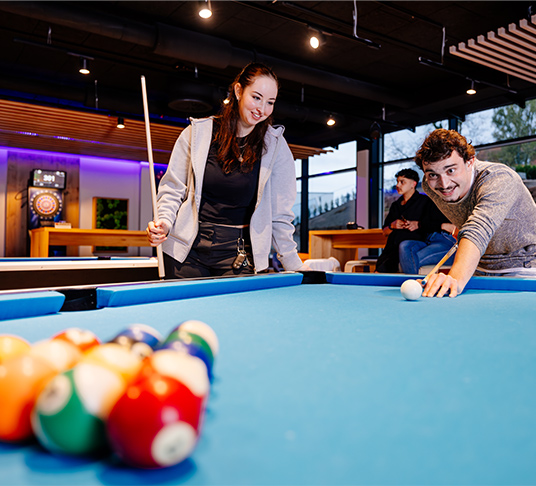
67,131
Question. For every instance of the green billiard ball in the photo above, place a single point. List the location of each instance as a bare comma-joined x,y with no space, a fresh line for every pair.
190,338
203,330
69,414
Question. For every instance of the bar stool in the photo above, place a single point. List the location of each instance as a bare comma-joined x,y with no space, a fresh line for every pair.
360,266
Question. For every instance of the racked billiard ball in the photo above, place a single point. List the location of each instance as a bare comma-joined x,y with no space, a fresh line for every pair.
83,339
70,413
22,378
60,354
141,333
115,357
188,337
155,422
182,367
11,346
192,345
203,330
139,339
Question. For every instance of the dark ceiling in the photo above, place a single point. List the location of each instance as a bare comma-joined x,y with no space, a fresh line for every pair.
188,62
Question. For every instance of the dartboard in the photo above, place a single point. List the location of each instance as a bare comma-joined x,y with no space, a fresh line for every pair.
46,204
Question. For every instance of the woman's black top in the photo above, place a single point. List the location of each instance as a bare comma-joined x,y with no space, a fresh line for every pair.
227,198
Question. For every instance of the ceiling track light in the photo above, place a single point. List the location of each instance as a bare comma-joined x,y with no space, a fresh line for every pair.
471,91
205,10
375,131
316,38
299,20
441,67
120,122
84,66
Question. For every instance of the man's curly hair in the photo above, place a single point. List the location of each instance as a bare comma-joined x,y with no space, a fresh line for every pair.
440,144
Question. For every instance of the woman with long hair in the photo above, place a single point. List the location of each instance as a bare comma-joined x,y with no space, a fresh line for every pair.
228,192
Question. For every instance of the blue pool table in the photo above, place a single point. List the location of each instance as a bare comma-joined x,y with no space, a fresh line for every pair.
334,383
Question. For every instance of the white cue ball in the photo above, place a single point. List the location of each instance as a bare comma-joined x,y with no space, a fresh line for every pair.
411,290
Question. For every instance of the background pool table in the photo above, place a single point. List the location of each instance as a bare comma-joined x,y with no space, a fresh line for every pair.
337,383
27,273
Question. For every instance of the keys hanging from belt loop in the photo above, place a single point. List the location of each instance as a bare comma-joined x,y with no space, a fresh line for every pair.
241,259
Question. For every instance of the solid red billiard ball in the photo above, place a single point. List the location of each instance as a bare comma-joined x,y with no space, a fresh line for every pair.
155,423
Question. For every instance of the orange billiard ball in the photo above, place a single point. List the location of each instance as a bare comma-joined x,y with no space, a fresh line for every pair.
83,339
11,346
22,379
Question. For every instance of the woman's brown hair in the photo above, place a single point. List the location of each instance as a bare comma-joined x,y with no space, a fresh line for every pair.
229,152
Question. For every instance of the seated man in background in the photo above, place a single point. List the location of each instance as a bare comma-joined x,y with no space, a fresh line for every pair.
414,254
403,220
488,202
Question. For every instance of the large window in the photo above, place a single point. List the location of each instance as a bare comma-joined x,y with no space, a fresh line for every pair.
332,189
403,144
477,128
506,134
513,127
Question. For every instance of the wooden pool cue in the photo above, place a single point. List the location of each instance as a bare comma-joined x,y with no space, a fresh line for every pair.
159,255
443,260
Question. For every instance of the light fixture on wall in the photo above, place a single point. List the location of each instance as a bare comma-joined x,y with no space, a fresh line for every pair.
84,66
120,122
331,121
205,9
471,90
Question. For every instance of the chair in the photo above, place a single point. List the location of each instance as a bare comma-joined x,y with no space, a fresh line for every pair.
330,264
360,266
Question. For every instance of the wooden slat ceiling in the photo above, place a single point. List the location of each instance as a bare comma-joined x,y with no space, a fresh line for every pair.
512,52
67,131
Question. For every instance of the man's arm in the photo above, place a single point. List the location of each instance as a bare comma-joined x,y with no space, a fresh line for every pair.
464,266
